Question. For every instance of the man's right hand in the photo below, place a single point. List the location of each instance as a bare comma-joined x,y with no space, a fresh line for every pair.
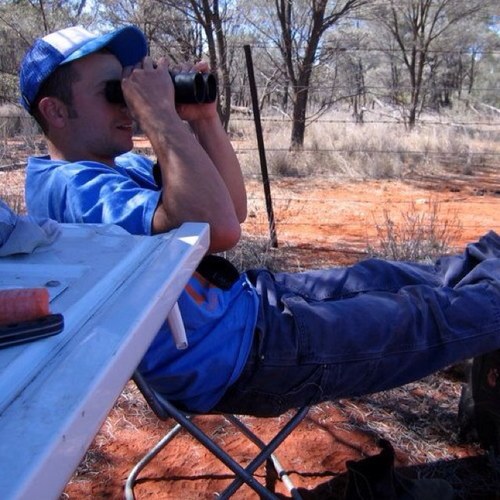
149,91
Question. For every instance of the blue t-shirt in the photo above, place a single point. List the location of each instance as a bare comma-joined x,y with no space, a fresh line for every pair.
219,324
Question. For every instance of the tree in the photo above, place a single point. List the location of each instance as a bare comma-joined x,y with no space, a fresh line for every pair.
215,18
166,32
417,26
297,27
484,70
23,21
345,51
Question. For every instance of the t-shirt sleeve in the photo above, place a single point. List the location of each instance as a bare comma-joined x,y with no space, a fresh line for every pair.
97,194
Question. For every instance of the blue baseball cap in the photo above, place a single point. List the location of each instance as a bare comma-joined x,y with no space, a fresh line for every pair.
46,54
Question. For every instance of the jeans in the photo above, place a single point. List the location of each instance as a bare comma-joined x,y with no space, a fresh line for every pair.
343,332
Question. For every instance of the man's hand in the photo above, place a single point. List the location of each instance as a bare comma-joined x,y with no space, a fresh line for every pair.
148,88
196,112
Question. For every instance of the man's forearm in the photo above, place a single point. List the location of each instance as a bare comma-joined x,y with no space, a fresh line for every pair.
193,188
215,141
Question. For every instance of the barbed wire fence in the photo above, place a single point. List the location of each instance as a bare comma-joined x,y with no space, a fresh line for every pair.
417,225
479,165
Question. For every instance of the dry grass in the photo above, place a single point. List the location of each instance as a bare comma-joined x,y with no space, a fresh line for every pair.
416,234
337,146
251,252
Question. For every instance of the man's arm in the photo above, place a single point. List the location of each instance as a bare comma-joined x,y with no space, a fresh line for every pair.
201,178
215,141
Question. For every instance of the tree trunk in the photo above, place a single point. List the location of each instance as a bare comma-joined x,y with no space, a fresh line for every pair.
299,118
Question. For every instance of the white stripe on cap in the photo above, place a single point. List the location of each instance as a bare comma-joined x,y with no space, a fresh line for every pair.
68,40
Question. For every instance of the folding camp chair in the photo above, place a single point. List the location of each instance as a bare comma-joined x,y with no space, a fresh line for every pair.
165,410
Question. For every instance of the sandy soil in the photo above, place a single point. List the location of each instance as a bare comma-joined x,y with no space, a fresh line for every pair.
319,222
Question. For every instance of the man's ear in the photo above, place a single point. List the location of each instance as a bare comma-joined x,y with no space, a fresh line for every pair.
54,111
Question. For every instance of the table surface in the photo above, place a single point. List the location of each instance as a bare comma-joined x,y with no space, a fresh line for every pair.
114,290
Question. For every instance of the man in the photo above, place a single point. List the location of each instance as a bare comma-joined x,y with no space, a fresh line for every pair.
259,343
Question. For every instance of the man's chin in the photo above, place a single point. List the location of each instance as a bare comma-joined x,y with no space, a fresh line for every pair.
125,147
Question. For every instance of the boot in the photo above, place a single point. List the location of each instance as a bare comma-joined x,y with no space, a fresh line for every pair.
486,397
374,478
467,432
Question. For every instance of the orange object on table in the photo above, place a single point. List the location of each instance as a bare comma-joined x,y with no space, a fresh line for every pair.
23,304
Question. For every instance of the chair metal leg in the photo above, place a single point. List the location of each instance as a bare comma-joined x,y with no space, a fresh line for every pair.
267,452
132,477
282,474
164,409
244,475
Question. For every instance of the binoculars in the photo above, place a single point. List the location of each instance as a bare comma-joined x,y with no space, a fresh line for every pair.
190,88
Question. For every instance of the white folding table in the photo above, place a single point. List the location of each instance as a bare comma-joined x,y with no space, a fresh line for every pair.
114,291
